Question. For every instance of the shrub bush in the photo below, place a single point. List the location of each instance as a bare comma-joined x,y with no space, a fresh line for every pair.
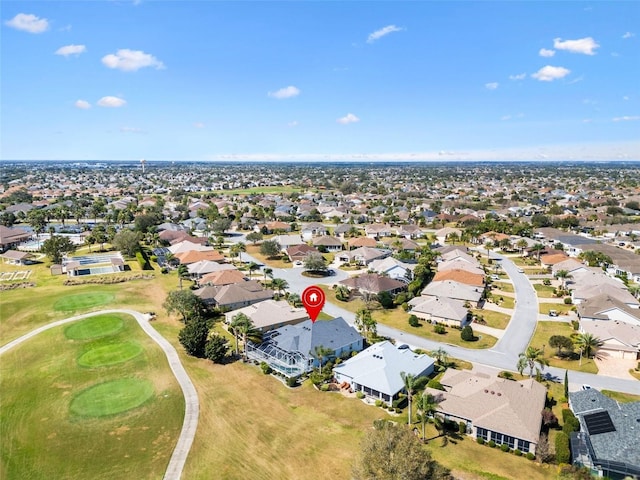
517,453
144,263
546,282
567,301
378,403
530,456
563,455
462,428
492,444
360,395
504,447
466,334
292,381
480,441
266,369
324,387
435,384
413,321
439,329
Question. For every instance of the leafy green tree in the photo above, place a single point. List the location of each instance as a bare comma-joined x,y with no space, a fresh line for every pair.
236,250
193,336
595,259
216,349
220,225
315,262
392,452
560,343
342,293
252,267
7,219
37,219
56,247
127,241
533,358
147,222
566,384
270,248
385,299
254,237
236,325
427,405
184,302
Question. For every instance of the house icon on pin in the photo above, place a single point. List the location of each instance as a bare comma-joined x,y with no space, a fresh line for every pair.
313,298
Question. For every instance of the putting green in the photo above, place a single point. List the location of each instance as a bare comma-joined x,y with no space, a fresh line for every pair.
94,327
112,397
71,303
110,354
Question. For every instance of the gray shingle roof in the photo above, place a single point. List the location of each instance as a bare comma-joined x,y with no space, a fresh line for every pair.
621,445
304,337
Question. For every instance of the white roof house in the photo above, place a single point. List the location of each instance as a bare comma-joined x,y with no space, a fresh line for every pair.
270,314
453,289
439,310
394,268
376,370
187,246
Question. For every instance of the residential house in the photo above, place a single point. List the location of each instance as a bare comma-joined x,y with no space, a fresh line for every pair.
270,314
401,244
222,277
409,231
362,255
15,257
298,253
377,230
376,371
291,349
505,411
443,234
193,256
286,241
359,242
455,290
444,310
12,237
234,296
374,283
461,276
607,442
328,242
393,268
311,230
199,269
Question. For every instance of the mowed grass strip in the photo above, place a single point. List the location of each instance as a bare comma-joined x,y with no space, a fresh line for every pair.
83,301
40,437
110,354
95,327
112,397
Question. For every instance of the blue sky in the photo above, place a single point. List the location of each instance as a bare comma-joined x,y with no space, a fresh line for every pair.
216,80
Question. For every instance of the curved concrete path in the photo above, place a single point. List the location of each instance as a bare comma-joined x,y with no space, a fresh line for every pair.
191,407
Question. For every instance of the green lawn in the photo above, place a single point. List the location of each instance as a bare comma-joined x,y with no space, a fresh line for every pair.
53,423
621,397
502,287
502,300
83,301
110,354
558,307
544,291
544,331
95,327
493,319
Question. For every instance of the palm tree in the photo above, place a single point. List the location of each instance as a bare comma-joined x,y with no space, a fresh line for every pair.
268,272
521,244
279,284
427,405
533,358
538,247
587,343
321,352
236,249
253,266
236,322
441,356
409,381
249,332
563,275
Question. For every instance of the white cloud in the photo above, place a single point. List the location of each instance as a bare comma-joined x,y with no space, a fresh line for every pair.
519,76
82,104
549,73
626,97
544,52
587,120
627,118
71,50
491,86
198,124
286,92
628,35
585,45
292,124
112,102
28,22
131,60
348,118
382,32
505,117
132,130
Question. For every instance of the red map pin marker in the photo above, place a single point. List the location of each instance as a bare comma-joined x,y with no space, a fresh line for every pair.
313,300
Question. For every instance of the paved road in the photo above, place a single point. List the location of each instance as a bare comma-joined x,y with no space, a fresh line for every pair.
504,354
192,406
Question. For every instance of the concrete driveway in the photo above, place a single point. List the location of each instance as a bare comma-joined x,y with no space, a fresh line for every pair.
615,367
